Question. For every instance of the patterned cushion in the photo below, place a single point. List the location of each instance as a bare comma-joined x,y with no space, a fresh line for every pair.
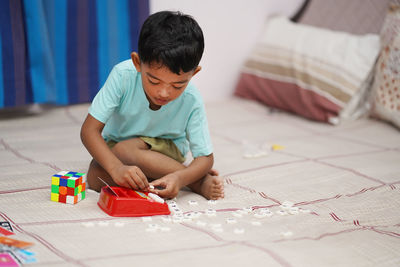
386,87
313,72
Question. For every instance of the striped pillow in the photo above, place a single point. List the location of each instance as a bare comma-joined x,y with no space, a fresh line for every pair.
317,73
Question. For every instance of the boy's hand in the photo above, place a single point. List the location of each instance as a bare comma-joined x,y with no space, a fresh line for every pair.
169,183
130,177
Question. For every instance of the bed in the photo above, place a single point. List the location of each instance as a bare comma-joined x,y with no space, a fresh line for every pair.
298,192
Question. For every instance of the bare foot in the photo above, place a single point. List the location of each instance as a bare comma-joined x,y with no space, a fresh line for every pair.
212,187
213,172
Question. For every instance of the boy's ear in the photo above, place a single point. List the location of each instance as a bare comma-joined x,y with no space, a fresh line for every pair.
136,60
198,68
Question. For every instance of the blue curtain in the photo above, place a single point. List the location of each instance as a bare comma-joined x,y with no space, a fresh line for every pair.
61,51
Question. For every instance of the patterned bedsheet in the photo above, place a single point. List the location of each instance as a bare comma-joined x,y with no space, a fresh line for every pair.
328,196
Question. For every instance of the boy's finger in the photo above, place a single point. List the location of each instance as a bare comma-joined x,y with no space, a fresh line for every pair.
161,192
158,183
135,176
159,187
143,178
131,183
139,182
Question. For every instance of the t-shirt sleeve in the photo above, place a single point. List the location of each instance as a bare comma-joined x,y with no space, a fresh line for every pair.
108,98
198,134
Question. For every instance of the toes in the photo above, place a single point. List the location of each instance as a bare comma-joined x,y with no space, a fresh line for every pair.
217,192
218,182
218,188
217,196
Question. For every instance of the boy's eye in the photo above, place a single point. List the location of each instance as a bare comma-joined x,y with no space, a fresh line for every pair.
178,87
153,82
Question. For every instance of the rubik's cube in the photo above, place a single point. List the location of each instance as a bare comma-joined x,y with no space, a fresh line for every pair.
68,187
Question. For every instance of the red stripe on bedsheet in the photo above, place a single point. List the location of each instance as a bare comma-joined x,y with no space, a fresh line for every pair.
318,200
242,187
393,234
23,189
335,217
263,195
19,155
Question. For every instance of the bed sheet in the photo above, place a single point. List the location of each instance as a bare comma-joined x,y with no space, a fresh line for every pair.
329,197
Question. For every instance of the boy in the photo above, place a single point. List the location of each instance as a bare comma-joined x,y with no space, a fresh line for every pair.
147,115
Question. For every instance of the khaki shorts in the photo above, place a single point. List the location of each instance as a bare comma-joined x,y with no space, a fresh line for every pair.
164,146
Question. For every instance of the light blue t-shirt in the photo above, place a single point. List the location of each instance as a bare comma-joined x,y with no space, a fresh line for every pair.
121,104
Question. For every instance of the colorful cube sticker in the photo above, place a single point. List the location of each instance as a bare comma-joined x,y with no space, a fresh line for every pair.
55,189
55,180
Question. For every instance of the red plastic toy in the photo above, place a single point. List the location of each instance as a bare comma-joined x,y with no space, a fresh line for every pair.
124,202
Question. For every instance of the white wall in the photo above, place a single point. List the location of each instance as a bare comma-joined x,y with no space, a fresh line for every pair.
231,28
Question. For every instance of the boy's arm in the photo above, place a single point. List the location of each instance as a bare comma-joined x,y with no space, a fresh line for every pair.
196,170
123,175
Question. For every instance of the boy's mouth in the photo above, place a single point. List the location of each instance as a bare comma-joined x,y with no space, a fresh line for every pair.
160,101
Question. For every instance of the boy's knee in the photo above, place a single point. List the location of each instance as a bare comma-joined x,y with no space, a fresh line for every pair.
126,150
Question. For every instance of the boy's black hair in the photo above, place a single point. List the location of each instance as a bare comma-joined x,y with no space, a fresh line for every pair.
171,39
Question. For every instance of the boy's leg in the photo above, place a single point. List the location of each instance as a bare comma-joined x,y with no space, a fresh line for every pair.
130,152
210,187
95,171
154,165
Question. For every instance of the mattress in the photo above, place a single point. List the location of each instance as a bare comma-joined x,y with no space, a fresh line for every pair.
297,193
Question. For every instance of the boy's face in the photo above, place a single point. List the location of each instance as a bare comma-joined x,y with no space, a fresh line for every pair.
161,86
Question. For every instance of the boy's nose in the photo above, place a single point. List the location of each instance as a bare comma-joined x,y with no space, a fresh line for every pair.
164,92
